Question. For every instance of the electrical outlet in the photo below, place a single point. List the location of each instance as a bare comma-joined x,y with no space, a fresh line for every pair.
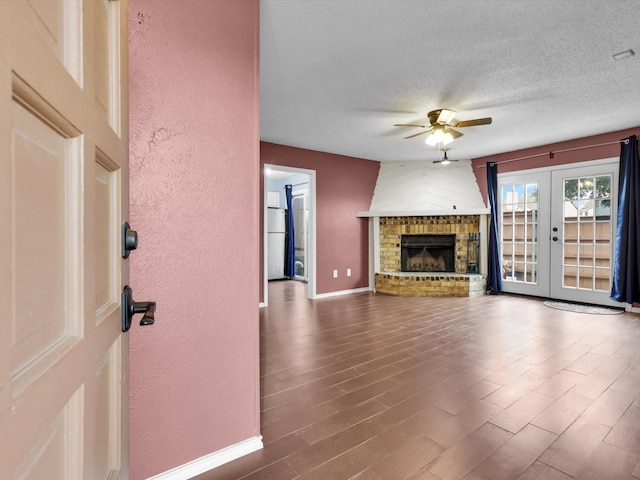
335,274
348,272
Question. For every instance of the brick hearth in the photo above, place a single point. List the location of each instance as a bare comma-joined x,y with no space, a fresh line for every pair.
392,281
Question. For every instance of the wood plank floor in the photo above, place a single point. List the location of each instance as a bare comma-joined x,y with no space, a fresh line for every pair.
374,387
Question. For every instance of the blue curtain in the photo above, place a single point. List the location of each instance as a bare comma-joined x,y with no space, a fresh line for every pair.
494,274
290,261
626,267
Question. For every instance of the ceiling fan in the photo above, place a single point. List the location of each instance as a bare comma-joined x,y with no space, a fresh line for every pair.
440,126
445,160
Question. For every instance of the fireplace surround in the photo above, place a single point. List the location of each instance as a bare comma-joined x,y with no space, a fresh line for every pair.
454,236
427,253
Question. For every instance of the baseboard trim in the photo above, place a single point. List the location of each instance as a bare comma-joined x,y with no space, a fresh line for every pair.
344,292
211,461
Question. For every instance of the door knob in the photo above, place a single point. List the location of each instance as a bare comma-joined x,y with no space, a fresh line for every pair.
129,239
555,239
131,307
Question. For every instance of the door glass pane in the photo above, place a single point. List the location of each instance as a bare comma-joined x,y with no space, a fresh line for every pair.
518,227
587,232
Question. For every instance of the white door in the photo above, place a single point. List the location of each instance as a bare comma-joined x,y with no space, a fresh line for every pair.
63,196
524,232
556,232
583,221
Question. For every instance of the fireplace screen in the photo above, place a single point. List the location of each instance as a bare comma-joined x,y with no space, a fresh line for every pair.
427,253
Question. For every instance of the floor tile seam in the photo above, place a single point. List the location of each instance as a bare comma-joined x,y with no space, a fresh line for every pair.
552,467
253,472
590,455
491,452
364,348
608,385
356,365
580,415
557,435
633,452
346,392
374,397
288,389
342,453
293,407
303,388
390,341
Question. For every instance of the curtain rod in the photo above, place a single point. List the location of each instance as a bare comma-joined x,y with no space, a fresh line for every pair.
298,184
551,153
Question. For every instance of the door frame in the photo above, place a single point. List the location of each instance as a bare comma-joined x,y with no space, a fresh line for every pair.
548,171
311,273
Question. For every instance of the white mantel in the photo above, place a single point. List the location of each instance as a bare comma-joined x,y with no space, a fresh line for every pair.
422,213
425,189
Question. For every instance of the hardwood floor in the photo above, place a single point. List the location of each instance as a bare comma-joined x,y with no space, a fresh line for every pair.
374,387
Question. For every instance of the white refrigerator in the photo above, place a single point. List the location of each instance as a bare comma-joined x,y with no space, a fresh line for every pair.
276,231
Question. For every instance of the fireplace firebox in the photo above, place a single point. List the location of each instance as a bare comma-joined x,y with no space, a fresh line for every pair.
427,253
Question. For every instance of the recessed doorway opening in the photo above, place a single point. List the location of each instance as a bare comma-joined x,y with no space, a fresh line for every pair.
289,227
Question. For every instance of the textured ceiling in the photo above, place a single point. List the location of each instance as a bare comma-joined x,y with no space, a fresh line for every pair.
335,75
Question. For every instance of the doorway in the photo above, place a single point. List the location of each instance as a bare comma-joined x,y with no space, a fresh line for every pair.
303,200
557,230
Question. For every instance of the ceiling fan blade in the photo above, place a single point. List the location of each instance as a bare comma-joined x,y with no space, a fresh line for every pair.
446,116
416,134
409,125
473,123
454,133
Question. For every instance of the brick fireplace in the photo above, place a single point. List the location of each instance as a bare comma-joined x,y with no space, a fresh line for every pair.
436,259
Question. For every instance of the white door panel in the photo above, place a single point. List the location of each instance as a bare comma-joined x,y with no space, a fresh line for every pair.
63,196
524,232
583,226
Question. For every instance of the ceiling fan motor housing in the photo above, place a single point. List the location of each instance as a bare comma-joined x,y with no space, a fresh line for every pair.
433,116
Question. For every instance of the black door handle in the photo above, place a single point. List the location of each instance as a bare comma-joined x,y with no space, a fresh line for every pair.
555,239
131,307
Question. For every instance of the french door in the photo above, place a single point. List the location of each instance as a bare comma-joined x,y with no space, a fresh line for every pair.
557,230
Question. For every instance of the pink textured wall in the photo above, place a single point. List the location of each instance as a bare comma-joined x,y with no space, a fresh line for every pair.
581,155
344,185
194,157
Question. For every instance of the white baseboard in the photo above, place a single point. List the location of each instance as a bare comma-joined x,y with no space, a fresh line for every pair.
211,461
344,292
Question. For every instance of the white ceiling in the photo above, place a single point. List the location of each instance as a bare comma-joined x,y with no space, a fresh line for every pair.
335,75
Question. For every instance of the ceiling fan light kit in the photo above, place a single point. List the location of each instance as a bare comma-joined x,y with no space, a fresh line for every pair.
439,135
440,126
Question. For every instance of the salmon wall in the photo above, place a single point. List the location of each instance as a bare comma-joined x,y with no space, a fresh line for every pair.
344,185
194,163
541,156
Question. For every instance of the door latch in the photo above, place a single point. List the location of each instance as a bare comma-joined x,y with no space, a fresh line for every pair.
129,240
131,308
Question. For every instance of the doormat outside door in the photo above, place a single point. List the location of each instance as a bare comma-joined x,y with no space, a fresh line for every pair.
581,308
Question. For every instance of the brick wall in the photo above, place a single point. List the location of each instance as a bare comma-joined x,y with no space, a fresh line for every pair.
392,228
